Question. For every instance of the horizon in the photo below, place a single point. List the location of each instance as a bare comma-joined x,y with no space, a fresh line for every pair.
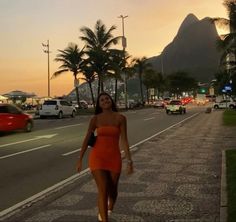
22,52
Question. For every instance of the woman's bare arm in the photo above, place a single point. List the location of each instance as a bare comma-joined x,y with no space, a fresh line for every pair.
125,144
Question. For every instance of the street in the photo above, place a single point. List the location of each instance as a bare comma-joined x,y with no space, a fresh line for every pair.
32,162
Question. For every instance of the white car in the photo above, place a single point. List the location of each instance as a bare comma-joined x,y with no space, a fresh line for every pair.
175,106
57,107
225,103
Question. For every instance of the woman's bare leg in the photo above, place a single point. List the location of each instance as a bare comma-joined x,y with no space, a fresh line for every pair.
101,177
112,189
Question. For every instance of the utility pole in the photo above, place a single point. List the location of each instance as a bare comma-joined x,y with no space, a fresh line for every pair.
124,44
46,50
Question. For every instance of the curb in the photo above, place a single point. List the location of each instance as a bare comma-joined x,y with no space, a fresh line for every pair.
29,202
223,196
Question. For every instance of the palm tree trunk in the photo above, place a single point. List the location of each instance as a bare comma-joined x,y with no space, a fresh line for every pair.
147,95
102,86
77,95
91,90
98,90
115,91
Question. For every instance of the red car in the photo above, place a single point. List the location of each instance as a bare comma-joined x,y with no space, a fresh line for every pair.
13,118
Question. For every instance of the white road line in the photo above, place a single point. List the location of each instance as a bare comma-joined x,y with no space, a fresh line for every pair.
26,151
142,141
74,151
62,127
149,118
156,113
24,141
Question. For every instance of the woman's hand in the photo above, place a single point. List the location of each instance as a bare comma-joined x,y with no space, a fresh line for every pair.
79,166
130,168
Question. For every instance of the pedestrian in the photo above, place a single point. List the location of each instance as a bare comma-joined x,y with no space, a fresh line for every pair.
105,156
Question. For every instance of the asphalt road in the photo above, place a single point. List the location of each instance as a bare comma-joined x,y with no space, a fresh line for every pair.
32,162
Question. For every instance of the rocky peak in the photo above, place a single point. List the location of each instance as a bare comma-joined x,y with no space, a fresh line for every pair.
188,21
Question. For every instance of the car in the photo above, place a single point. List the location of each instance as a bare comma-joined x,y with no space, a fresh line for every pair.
225,103
13,118
83,104
159,104
58,108
175,106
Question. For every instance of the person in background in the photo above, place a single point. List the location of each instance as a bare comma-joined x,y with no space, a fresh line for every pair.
105,157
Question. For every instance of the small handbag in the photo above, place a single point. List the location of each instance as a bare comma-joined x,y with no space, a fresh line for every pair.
92,140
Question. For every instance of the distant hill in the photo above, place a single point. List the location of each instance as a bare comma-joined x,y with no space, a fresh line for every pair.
192,50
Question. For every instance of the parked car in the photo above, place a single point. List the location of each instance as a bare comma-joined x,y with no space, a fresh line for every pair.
58,108
134,104
13,118
159,104
225,103
175,106
83,104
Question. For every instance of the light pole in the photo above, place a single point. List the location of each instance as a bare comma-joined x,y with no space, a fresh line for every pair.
124,44
46,50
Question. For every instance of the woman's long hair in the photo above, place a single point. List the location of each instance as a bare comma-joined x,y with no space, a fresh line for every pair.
98,109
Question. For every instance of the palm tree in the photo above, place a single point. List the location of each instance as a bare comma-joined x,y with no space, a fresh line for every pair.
89,76
155,80
72,60
98,45
141,66
227,43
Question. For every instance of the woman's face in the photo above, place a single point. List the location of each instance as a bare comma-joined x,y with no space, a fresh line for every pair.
105,102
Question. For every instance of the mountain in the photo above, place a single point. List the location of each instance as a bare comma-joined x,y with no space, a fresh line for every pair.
193,50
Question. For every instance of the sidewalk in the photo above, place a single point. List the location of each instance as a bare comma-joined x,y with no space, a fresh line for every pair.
177,179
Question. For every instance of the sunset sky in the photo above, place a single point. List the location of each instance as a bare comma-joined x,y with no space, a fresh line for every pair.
26,24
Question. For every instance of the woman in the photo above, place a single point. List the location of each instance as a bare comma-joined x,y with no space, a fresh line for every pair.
105,157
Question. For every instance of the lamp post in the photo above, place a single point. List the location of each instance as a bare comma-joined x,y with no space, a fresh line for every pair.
124,44
46,50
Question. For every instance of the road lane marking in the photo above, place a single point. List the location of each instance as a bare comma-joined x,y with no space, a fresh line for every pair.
156,134
73,151
62,127
24,141
156,113
149,118
26,151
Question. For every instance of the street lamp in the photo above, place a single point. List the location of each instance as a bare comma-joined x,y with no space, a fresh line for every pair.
46,50
124,44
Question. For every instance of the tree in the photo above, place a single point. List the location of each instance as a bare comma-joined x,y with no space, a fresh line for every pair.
89,76
141,65
180,82
153,79
228,42
71,59
118,65
98,45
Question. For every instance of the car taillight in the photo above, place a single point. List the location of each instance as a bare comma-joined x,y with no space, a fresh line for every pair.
56,108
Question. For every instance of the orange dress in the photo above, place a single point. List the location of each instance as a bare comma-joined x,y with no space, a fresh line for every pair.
105,155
